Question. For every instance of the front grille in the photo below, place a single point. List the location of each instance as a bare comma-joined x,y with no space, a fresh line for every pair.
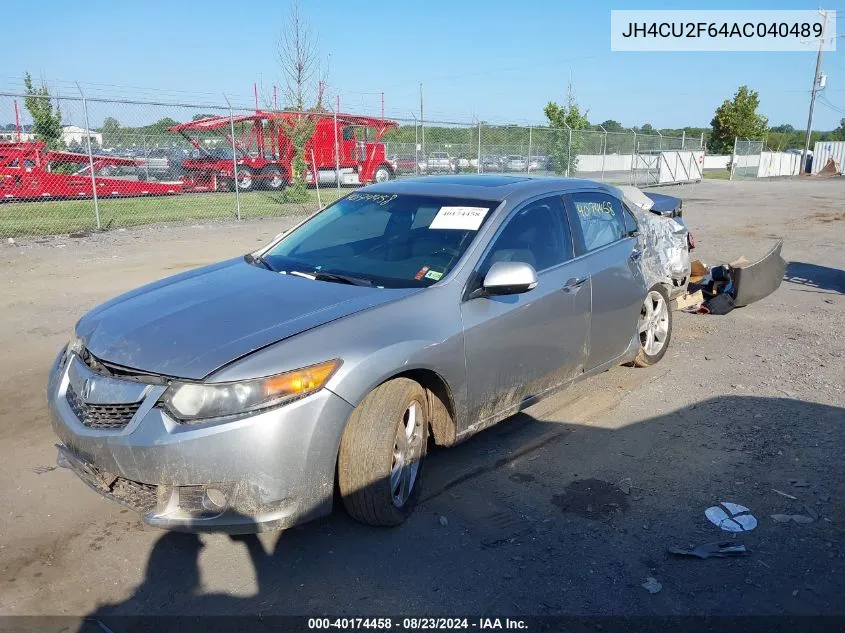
141,497
108,417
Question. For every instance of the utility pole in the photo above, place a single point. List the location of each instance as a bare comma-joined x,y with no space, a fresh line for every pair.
816,80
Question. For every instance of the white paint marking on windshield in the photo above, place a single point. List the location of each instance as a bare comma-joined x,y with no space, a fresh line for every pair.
460,218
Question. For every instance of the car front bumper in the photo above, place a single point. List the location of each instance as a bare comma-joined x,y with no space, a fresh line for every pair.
264,471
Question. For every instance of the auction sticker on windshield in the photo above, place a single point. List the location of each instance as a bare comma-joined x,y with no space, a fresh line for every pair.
460,218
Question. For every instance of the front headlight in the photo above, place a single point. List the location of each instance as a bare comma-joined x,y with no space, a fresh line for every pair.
192,402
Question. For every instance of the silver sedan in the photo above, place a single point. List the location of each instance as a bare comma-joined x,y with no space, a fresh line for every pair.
240,395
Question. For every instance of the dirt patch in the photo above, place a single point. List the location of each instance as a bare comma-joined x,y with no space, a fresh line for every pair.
592,499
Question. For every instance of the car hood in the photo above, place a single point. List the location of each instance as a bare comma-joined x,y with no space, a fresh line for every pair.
189,325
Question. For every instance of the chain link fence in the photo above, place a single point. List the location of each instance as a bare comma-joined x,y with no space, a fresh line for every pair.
125,163
745,161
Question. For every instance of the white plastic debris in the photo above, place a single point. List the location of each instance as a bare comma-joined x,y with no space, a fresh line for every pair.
651,585
731,517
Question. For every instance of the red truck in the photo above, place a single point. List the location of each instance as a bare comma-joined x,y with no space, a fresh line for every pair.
28,170
339,147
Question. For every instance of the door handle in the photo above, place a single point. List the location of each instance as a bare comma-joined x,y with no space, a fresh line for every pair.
573,284
636,254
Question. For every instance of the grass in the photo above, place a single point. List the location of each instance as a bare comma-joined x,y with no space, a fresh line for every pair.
716,174
66,216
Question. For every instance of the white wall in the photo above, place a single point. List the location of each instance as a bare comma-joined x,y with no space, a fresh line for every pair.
717,161
778,164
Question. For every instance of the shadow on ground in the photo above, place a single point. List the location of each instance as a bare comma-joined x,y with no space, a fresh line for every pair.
554,518
815,276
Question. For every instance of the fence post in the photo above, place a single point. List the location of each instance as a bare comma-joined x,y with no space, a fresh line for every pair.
336,153
146,156
603,151
659,140
234,160
633,158
733,159
478,167
528,162
90,157
683,139
568,150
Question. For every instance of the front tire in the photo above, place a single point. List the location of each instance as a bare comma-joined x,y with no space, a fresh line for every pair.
654,327
383,173
382,451
245,179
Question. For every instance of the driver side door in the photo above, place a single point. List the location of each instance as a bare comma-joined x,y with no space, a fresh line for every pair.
520,346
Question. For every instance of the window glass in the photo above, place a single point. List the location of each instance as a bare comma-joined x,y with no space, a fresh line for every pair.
601,218
630,221
533,235
391,240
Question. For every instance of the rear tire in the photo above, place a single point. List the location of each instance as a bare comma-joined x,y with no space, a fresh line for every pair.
382,451
273,178
654,327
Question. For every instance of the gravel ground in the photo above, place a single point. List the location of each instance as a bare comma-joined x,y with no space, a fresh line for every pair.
566,508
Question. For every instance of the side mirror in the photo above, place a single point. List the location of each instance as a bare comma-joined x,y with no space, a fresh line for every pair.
509,278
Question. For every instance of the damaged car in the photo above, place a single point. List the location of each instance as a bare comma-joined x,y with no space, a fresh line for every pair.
250,394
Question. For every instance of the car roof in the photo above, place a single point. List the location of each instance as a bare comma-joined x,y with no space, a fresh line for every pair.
483,187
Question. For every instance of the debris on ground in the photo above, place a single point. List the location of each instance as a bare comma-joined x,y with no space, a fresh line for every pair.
651,585
689,300
731,517
444,521
625,485
799,483
40,470
795,518
712,550
739,283
784,494
10,241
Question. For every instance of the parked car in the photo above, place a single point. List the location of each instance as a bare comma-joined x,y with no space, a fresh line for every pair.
233,396
538,163
491,164
404,163
515,163
437,163
160,163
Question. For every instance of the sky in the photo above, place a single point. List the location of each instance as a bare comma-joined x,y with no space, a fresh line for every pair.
492,60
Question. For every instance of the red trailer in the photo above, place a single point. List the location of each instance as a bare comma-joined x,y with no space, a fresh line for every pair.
28,170
264,150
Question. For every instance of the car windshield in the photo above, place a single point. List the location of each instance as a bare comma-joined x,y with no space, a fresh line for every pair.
382,239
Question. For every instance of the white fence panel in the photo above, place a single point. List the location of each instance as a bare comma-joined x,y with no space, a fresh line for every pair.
824,151
681,166
773,164
717,161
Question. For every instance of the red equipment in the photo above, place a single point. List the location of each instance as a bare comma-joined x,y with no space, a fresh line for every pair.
265,152
27,170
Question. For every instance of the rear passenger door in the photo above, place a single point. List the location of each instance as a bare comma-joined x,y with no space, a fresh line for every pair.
606,242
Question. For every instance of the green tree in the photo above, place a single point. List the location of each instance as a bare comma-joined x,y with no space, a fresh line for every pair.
46,121
111,131
197,117
737,118
565,145
839,133
647,128
612,126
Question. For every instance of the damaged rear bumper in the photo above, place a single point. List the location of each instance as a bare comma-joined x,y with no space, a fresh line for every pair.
270,470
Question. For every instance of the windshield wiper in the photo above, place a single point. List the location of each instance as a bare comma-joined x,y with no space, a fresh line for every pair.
320,275
338,278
